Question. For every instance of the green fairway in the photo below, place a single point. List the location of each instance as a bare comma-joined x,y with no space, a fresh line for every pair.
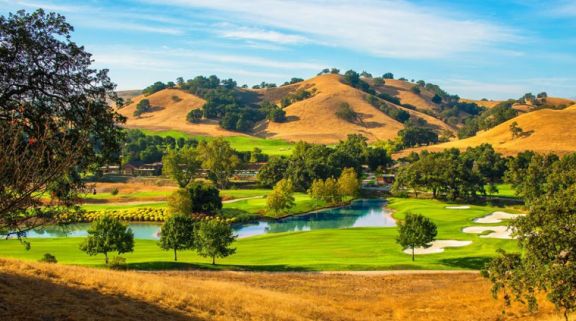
505,190
345,249
240,143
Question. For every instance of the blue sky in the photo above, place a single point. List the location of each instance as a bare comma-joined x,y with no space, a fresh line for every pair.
473,48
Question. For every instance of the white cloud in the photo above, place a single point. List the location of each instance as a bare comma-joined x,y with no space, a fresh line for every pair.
387,28
245,33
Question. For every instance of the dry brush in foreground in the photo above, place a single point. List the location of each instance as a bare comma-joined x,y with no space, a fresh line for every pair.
36,291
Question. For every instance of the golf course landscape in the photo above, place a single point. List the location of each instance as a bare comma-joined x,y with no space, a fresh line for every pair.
211,161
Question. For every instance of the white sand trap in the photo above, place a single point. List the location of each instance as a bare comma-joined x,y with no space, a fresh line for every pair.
498,232
461,207
497,217
438,247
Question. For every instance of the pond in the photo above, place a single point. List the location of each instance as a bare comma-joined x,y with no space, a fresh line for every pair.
361,213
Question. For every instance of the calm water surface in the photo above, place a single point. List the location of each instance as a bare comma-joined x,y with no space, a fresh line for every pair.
361,213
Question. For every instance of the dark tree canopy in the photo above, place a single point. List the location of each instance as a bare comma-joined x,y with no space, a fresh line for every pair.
55,117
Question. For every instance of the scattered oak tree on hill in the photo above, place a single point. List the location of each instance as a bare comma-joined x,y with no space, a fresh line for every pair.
55,119
516,130
416,231
107,234
345,112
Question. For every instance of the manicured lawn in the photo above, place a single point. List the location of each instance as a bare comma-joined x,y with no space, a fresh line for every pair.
505,190
240,143
344,249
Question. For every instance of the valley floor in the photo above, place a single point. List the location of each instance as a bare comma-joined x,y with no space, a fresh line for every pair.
36,291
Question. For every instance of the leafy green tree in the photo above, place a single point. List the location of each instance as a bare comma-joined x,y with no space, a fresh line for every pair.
213,239
437,99
205,198
107,234
546,236
55,118
378,158
281,198
181,165
180,202
273,171
388,75
416,136
219,158
348,183
332,191
416,231
177,234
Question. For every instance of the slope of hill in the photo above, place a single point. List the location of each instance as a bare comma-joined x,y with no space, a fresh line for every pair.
315,120
545,130
34,291
403,90
169,110
128,94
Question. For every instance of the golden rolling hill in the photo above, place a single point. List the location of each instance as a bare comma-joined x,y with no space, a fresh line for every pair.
169,110
545,131
314,119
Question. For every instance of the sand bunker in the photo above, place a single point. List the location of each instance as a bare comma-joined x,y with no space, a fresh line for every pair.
498,232
438,246
497,217
462,207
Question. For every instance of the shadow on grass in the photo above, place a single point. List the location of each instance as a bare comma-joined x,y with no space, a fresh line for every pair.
37,298
472,262
159,265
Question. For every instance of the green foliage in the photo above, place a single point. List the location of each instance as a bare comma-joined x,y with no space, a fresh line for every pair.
155,87
528,173
205,198
388,75
48,258
181,165
194,116
416,231
547,236
488,118
177,234
345,112
180,202
416,136
437,99
213,239
516,130
273,171
352,78
219,158
139,147
452,174
281,197
378,158
392,111
142,107
274,113
114,191
56,118
416,90
107,234
326,190
348,183
298,95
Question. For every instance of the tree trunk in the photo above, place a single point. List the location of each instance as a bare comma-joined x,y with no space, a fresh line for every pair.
175,256
412,254
213,260
106,257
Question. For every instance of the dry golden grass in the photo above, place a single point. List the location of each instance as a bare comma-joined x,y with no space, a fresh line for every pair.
34,291
545,131
169,114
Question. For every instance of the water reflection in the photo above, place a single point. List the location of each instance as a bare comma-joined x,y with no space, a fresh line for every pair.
361,213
